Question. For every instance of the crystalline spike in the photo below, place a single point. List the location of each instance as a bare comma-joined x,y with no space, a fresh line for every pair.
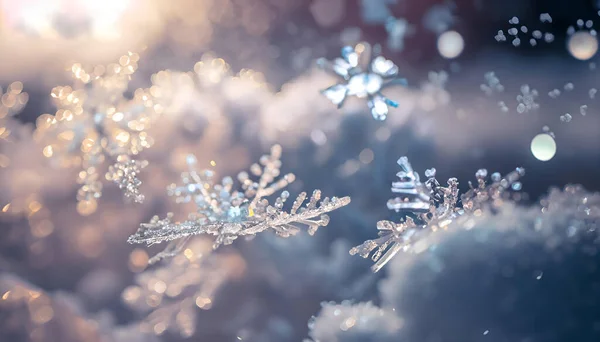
433,207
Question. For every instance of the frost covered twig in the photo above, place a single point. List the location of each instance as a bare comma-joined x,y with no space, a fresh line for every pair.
433,206
228,214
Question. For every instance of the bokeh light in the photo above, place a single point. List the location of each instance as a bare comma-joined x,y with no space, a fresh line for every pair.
582,45
450,44
543,147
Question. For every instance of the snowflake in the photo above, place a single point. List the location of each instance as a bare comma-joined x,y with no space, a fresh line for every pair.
11,104
228,214
96,121
362,83
433,206
527,99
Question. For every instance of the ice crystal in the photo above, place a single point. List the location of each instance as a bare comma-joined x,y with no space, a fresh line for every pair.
432,207
363,81
527,99
96,122
519,32
582,26
566,118
227,214
124,173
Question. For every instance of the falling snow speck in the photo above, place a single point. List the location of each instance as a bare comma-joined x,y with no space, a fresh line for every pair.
545,18
583,110
592,93
500,37
554,93
569,86
566,118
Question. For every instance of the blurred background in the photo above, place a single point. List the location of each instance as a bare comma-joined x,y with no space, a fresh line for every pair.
491,84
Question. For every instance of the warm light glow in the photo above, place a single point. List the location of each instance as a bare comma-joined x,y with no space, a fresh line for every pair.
55,18
582,45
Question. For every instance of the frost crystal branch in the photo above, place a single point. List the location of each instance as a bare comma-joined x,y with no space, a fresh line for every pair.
432,206
96,121
228,214
361,81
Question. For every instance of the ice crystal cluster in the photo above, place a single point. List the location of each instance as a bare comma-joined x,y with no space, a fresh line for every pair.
517,32
227,214
365,74
170,295
96,123
492,84
432,206
11,103
527,99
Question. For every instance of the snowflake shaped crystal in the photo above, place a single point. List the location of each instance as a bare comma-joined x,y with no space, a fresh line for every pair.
228,214
95,122
433,207
363,82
